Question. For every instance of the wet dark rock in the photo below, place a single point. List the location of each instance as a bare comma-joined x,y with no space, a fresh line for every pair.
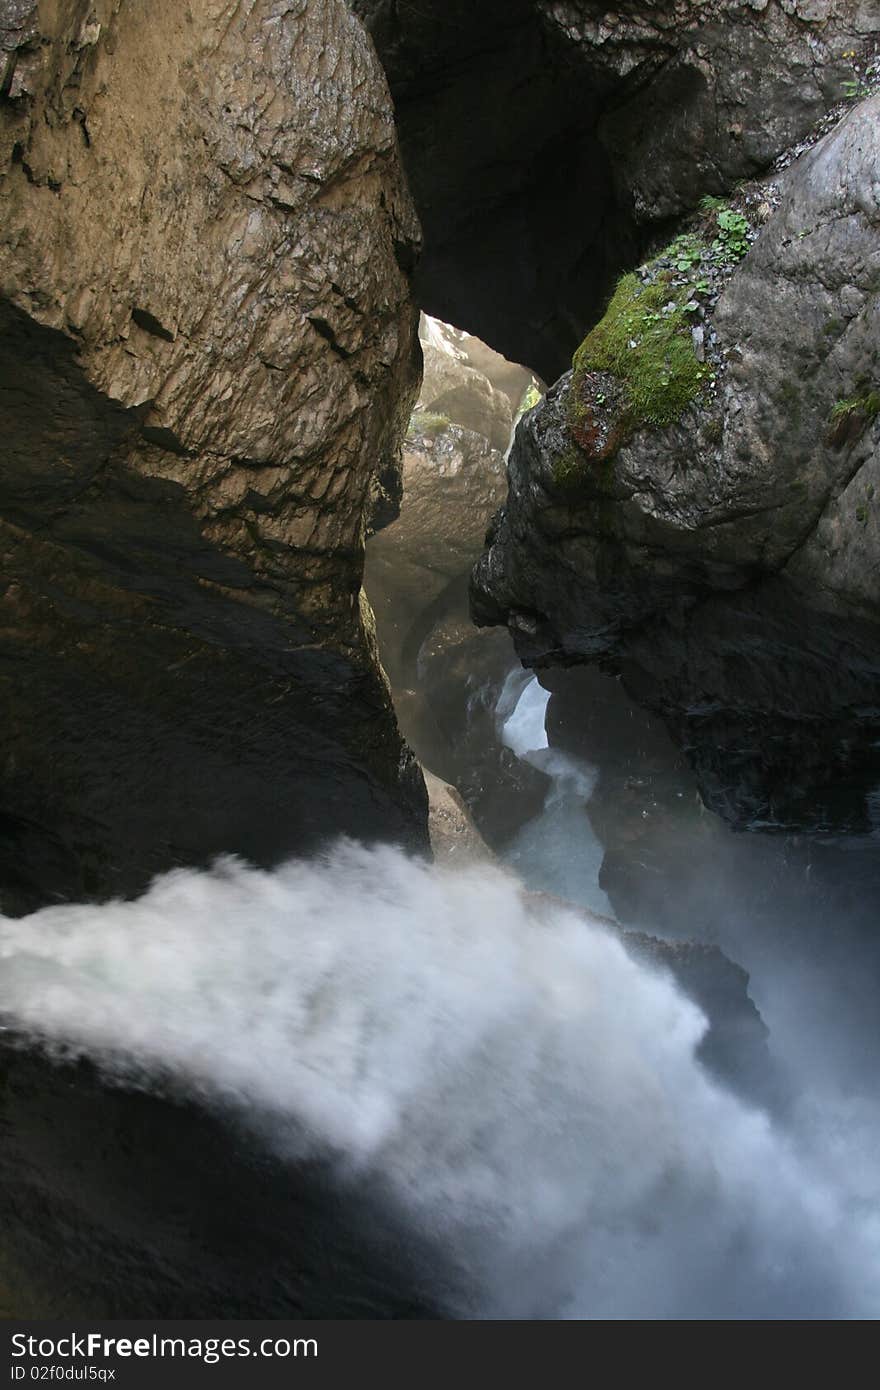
547,143
725,566
462,675
735,1043
672,867
117,1202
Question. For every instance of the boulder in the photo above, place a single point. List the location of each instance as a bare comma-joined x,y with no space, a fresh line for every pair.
548,142
725,562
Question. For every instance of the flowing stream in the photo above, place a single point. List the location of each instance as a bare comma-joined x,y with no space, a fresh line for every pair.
558,851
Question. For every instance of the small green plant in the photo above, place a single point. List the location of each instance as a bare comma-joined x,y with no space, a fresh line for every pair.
714,430
867,405
854,89
732,241
729,245
850,417
686,251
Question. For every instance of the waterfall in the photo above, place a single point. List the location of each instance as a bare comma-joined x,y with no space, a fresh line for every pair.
520,1089
556,852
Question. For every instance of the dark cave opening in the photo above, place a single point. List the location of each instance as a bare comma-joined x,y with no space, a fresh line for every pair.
524,229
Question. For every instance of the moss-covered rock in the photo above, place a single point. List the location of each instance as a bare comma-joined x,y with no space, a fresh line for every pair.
725,563
644,342
427,422
640,366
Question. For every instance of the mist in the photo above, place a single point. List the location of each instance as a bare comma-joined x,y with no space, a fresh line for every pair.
498,1069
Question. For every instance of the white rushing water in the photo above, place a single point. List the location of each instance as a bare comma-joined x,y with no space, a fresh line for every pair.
558,851
526,1093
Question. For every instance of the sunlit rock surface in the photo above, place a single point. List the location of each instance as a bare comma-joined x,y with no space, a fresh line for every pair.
447,675
209,356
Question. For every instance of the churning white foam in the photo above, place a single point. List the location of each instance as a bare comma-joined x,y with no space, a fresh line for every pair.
557,851
523,1090
522,712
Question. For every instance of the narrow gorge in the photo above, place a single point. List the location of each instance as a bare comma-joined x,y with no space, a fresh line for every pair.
439,659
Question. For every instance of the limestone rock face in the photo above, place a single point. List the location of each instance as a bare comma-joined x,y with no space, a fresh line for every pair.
727,565
446,674
455,838
416,577
467,383
454,480
730,84
418,567
547,141
209,355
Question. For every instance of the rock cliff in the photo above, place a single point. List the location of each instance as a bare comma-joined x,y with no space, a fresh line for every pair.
208,361
209,356
446,675
720,547
547,141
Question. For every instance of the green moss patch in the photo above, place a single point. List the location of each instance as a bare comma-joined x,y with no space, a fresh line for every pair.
638,367
644,341
428,422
